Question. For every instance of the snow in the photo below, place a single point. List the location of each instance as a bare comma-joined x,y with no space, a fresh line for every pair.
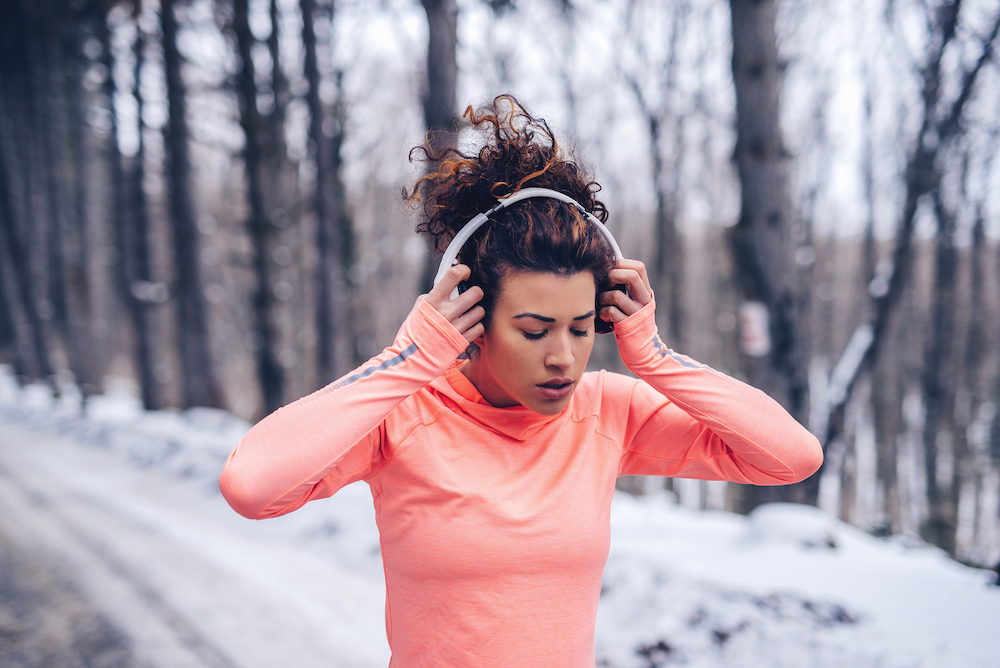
130,499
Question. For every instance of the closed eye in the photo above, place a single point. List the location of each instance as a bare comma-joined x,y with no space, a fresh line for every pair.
582,333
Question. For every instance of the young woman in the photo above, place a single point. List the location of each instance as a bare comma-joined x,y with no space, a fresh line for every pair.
493,469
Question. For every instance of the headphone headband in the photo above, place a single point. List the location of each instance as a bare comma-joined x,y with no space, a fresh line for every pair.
450,257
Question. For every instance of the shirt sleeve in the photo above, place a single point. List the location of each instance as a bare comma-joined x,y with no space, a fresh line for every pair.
687,420
314,446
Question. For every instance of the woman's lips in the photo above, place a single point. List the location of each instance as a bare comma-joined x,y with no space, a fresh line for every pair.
554,390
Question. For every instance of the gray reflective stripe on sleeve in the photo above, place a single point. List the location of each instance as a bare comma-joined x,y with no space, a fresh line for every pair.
663,351
660,348
389,363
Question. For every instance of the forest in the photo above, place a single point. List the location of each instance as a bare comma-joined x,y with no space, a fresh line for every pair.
203,197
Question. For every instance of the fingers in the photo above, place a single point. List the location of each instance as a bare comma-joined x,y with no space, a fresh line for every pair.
612,314
441,292
619,305
440,295
633,274
617,309
474,332
463,312
468,320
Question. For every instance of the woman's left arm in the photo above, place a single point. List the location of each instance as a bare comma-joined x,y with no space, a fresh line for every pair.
711,426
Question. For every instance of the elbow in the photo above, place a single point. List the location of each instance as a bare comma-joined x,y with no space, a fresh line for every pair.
238,492
811,458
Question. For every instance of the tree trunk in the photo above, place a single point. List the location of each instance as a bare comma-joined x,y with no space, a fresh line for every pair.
939,395
440,97
668,259
30,334
130,222
23,278
760,240
68,116
269,372
668,265
995,425
328,204
280,183
887,402
8,331
275,121
442,72
141,304
45,126
199,384
971,464
41,198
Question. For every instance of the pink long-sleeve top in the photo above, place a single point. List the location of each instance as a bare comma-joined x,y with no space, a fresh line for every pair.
494,522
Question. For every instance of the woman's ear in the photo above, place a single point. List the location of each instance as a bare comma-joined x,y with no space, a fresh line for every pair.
480,340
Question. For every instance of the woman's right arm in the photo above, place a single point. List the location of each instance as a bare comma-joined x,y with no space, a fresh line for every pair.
316,445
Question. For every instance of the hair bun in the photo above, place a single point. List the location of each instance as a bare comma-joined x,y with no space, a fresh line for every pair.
518,150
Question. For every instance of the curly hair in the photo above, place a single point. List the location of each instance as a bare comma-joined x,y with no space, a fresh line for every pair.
543,235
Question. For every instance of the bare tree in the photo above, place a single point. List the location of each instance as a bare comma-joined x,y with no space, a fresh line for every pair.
141,293
274,121
761,241
328,203
941,125
938,376
442,72
665,124
439,99
66,85
18,210
32,353
269,372
129,217
199,382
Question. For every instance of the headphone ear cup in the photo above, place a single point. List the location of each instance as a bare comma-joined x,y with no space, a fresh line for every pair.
602,326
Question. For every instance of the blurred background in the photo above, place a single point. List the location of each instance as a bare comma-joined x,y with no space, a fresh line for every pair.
204,197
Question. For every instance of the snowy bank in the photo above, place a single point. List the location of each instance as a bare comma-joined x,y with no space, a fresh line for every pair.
785,586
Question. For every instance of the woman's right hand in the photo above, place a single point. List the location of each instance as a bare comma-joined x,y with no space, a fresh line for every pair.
463,312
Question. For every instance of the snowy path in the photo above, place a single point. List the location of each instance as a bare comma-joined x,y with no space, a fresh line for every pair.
175,581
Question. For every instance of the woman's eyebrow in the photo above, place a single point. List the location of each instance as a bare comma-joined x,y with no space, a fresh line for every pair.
543,318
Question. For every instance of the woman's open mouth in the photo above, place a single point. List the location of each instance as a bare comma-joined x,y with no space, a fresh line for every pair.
557,389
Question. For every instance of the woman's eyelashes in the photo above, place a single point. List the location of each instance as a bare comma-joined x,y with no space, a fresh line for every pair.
534,336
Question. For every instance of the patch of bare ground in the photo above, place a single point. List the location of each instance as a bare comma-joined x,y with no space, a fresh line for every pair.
45,619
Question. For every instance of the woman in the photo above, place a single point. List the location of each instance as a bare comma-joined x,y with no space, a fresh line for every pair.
492,472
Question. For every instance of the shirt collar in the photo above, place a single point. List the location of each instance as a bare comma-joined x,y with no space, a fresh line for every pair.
515,421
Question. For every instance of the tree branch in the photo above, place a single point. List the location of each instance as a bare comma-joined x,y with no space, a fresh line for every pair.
950,126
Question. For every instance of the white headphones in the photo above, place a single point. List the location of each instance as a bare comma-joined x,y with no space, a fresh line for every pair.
450,257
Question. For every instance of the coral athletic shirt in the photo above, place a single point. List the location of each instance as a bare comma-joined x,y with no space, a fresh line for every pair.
494,522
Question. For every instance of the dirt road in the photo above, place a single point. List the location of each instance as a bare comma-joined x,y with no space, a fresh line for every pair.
105,564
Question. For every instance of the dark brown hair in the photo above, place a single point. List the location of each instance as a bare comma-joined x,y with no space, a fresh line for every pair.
539,234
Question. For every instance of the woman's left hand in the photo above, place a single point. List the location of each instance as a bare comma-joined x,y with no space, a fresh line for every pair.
619,305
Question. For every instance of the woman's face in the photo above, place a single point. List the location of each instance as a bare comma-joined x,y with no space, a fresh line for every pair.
538,342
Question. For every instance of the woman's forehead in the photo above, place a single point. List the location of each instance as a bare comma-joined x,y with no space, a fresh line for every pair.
556,296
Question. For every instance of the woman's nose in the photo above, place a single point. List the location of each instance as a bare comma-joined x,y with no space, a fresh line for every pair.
561,354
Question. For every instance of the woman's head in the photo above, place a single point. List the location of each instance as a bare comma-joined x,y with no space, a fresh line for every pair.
536,235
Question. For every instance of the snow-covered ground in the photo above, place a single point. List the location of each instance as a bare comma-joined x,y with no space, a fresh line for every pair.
127,503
